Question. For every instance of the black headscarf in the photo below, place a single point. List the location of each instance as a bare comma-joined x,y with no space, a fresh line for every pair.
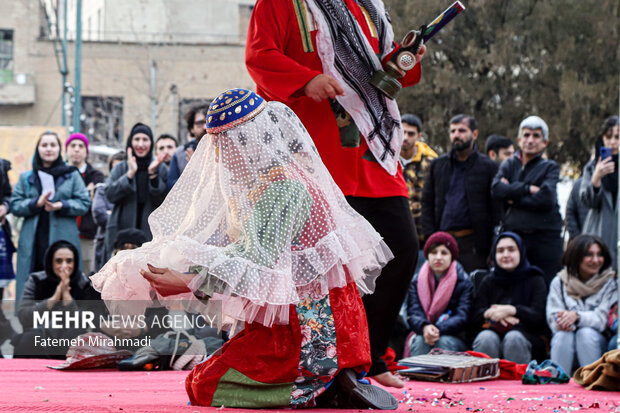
145,161
58,167
133,236
51,280
142,175
518,279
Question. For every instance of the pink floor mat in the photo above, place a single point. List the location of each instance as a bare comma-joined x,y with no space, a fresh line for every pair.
27,385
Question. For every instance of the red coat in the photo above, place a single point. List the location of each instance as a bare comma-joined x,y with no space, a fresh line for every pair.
277,62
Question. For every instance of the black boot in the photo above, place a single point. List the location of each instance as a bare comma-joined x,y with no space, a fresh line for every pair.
346,392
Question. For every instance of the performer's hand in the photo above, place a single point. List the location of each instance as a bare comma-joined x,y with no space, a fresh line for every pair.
166,281
420,55
534,189
322,87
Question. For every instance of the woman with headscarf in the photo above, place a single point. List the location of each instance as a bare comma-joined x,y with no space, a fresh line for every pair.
439,299
60,286
579,300
50,197
510,304
136,186
257,228
599,188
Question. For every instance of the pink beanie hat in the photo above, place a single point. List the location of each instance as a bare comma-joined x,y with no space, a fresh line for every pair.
79,136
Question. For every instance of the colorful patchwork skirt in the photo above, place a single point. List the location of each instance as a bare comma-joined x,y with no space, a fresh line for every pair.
286,365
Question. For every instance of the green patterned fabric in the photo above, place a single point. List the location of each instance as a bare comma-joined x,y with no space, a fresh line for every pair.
284,207
237,390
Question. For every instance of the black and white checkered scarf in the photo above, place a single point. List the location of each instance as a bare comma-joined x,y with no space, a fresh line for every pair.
346,55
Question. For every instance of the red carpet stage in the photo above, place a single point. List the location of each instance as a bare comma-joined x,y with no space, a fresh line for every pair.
27,385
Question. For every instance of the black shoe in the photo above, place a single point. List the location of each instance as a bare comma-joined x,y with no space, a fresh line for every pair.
348,393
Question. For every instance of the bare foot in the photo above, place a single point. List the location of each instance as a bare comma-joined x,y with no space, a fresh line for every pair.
387,379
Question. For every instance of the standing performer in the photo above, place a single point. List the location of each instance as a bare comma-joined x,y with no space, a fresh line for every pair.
318,57
265,237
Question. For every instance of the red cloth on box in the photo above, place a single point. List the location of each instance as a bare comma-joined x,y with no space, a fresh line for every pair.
390,359
276,60
508,370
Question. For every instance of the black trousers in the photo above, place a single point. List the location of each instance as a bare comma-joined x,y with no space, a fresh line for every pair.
392,218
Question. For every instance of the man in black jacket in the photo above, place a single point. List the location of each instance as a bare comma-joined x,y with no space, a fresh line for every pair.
457,195
526,183
77,152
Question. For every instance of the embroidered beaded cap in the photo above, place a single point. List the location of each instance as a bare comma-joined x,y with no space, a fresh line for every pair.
232,108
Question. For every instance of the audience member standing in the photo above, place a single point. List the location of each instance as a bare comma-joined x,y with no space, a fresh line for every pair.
576,211
50,197
599,188
136,186
579,301
526,183
415,158
102,208
457,195
77,155
165,146
439,299
196,126
354,126
510,304
499,148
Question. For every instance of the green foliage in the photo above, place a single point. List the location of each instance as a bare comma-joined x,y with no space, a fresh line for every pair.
501,61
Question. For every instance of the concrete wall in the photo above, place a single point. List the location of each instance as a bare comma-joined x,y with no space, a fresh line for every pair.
198,71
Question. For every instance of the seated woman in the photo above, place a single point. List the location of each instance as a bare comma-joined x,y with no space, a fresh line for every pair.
257,229
57,288
579,300
510,305
439,299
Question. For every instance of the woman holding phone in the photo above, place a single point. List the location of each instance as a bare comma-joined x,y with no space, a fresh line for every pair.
50,197
599,186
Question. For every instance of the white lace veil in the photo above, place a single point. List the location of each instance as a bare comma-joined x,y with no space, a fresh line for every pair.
258,217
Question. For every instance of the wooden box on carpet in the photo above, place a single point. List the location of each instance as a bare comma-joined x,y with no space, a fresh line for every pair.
449,368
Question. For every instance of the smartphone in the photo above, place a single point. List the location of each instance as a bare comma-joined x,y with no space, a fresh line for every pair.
605,153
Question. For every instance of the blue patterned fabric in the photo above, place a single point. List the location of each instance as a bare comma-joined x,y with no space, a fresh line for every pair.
232,108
